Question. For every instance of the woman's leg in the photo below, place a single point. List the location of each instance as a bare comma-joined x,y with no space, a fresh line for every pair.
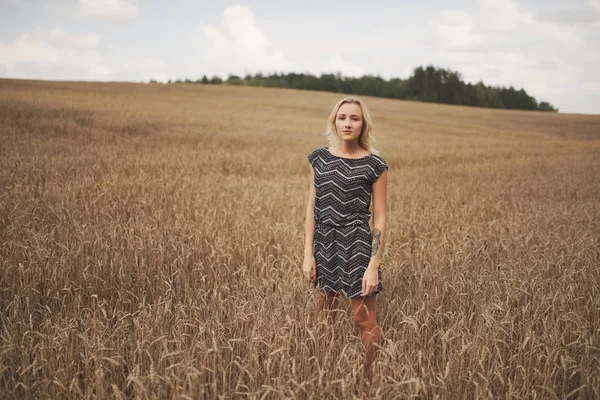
366,318
329,302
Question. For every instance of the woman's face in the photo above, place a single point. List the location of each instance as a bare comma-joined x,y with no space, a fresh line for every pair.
349,121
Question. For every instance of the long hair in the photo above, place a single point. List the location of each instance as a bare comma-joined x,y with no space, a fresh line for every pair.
366,140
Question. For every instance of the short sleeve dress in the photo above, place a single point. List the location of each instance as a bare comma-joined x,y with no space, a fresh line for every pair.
342,240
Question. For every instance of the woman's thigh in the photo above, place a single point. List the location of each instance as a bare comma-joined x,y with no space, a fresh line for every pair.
328,300
364,309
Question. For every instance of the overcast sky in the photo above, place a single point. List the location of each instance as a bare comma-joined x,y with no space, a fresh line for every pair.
550,48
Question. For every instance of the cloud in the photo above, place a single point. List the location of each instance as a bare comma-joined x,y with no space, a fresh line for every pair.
84,41
502,15
146,69
455,30
337,64
32,53
595,4
504,45
569,15
239,43
107,9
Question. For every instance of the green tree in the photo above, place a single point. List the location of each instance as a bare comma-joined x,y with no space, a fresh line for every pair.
430,83
234,80
545,106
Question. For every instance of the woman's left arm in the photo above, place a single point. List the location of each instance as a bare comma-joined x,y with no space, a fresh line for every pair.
370,278
379,218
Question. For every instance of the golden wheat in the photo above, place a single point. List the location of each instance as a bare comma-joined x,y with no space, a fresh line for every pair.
152,241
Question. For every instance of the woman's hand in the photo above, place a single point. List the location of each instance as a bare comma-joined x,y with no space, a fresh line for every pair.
309,267
370,281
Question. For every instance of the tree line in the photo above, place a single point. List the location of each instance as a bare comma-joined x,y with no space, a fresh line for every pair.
429,84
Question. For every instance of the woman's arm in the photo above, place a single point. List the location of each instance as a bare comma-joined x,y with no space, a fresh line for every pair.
309,264
379,219
370,279
309,226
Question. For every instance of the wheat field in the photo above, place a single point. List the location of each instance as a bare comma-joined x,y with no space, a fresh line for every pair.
152,241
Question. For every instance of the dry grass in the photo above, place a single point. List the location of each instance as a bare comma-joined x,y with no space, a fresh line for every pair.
152,240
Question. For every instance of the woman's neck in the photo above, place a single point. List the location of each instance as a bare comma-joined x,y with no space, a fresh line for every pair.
348,149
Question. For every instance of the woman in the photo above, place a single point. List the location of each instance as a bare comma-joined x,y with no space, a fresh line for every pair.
341,254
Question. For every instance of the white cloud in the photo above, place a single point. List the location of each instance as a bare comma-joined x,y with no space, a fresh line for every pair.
595,4
27,49
84,41
504,68
239,43
455,30
146,69
107,8
337,64
569,15
502,15
504,45
55,49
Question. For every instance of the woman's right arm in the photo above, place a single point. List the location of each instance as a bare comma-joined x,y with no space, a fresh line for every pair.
309,229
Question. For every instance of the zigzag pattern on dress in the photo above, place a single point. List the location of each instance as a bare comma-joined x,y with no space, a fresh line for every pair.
343,239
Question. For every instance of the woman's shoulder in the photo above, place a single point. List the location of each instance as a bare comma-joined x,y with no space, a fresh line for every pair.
317,151
378,164
378,159
314,155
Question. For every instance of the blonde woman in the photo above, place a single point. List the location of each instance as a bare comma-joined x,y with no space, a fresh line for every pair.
342,254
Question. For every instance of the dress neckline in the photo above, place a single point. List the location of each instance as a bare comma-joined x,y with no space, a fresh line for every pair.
346,158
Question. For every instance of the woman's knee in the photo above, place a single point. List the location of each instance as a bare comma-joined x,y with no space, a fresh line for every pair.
327,301
364,316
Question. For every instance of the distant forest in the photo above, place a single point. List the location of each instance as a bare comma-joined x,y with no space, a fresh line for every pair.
429,84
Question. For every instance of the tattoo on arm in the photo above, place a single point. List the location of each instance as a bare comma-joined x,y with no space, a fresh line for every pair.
376,241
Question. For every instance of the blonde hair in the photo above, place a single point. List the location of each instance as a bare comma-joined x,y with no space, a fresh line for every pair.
366,140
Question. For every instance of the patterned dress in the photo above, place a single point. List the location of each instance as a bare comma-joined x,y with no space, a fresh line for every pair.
342,242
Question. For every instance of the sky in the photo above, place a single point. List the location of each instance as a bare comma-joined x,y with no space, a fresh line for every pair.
549,48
